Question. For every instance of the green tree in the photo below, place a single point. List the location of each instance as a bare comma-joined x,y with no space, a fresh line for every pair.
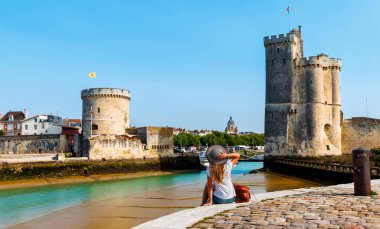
220,138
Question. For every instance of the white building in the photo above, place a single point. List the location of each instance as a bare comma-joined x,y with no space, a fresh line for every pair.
42,124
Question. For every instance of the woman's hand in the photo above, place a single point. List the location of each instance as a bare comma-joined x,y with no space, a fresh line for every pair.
207,203
223,156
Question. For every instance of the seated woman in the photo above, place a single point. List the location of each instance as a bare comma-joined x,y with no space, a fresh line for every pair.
219,188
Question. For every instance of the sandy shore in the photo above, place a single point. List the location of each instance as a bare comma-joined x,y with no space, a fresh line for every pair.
131,210
4,185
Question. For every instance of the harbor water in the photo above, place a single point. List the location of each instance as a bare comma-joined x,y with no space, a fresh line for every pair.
19,205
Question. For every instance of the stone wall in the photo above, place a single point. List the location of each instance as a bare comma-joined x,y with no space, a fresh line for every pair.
360,132
29,144
111,147
157,140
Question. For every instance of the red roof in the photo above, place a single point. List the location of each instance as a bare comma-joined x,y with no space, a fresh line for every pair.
17,116
73,120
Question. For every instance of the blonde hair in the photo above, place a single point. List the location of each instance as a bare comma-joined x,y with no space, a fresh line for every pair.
217,172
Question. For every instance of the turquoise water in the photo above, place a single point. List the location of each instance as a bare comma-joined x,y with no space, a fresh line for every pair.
20,205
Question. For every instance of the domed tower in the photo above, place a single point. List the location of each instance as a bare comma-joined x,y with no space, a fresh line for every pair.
105,111
231,128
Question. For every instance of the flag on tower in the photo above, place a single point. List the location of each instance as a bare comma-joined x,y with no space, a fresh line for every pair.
92,75
287,9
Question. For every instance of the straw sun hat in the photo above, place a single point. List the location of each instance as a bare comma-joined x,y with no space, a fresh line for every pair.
213,153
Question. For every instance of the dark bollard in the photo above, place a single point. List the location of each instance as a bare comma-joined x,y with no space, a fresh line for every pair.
361,168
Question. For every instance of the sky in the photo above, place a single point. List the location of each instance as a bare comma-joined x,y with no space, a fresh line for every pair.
187,63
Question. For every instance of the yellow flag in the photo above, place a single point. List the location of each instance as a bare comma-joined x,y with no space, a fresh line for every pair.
92,75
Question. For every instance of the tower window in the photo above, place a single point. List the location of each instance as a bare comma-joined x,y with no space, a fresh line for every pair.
272,117
272,62
283,61
98,109
94,127
278,49
328,147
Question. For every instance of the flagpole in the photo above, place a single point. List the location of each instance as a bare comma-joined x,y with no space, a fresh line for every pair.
91,123
288,9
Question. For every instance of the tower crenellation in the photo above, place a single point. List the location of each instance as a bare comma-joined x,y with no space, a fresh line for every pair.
320,61
280,39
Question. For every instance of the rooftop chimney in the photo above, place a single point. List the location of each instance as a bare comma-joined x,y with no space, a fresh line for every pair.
26,113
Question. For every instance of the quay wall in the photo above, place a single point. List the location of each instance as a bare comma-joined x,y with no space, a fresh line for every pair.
331,172
85,168
32,144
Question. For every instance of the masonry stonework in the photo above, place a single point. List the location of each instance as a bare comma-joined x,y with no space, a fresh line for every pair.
105,111
158,141
302,105
115,147
31,144
360,132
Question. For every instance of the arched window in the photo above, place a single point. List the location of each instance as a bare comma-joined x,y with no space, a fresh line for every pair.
98,109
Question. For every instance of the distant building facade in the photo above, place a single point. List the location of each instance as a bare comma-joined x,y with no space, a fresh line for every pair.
302,106
231,127
42,125
73,122
10,123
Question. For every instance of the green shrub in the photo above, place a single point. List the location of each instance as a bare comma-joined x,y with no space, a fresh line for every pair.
376,151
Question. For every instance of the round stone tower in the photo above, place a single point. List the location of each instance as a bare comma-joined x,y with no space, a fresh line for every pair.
105,111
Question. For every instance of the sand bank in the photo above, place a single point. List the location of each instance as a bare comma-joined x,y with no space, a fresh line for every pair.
4,185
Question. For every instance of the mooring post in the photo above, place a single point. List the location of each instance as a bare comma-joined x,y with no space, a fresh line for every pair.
361,169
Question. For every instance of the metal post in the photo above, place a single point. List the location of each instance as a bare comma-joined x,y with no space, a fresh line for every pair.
361,169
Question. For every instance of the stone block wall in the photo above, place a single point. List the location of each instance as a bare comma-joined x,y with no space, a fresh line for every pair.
110,147
157,140
360,132
29,144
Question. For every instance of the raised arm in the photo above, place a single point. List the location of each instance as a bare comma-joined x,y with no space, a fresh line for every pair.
233,156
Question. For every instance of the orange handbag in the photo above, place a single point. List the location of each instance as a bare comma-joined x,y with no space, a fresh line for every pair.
242,193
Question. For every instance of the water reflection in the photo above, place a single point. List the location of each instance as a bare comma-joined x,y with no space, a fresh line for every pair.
24,204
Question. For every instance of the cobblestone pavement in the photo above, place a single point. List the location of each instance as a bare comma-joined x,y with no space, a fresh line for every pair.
321,208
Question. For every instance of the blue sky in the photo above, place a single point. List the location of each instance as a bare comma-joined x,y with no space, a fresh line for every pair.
188,64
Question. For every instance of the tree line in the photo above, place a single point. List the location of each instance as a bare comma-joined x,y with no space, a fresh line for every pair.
218,138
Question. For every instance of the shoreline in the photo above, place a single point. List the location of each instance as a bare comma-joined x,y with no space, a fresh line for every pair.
30,183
